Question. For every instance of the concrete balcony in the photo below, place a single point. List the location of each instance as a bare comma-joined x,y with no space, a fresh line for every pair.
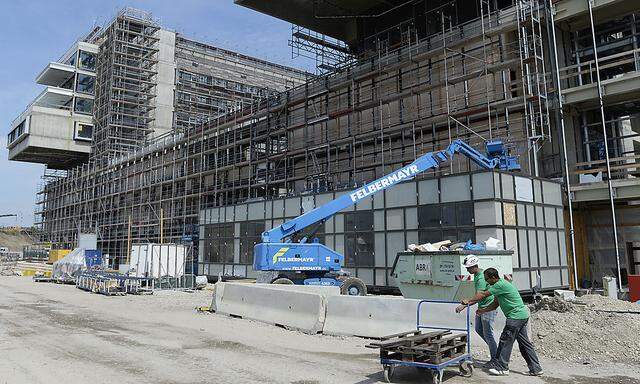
49,132
56,128
56,74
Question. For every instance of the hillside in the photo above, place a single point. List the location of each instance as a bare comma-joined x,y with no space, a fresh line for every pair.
14,239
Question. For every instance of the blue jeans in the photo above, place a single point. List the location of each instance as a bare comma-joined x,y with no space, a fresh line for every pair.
484,328
516,330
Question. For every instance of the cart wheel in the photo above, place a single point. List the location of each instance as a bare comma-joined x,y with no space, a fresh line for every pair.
466,368
436,377
388,372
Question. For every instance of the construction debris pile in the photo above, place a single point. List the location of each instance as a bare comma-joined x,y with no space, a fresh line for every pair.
446,245
588,329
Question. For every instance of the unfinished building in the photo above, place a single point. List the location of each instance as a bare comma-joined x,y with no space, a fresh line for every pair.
400,79
116,90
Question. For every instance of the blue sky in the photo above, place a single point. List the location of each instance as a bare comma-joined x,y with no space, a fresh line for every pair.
35,32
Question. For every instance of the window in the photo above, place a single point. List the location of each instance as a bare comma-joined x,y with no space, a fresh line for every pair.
359,239
68,84
359,249
84,106
85,84
87,61
17,132
218,243
250,235
71,60
452,221
83,131
358,221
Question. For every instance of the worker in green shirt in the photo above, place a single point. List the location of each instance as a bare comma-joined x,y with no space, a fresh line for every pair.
510,302
484,321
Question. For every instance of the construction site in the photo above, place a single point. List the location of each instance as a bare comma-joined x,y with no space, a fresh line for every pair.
334,225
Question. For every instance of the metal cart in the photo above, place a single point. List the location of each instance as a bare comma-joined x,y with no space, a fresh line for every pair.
462,359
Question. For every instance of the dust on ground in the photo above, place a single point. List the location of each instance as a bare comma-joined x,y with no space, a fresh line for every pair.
52,333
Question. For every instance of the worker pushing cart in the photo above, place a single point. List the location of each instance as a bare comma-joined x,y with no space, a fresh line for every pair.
483,321
510,302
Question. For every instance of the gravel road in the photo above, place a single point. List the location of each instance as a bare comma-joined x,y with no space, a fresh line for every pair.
59,334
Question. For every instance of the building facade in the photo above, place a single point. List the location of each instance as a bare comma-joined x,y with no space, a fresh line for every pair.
407,79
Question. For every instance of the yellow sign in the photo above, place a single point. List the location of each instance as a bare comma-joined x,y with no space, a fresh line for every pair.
281,252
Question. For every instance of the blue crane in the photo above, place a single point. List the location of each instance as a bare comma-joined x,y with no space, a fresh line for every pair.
308,262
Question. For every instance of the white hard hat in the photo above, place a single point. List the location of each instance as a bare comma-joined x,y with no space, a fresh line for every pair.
470,261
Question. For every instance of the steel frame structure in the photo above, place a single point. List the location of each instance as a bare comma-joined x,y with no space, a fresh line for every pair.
334,132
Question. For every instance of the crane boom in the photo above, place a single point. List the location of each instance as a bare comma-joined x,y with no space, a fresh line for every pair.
8,215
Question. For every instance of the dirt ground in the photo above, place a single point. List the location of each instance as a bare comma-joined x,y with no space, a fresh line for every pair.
59,334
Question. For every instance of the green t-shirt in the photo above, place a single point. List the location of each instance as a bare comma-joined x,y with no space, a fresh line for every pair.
482,285
510,300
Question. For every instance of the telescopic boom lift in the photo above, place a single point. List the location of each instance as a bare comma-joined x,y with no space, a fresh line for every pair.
311,263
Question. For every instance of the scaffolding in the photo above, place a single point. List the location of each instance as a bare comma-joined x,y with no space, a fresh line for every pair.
476,80
329,54
125,77
211,82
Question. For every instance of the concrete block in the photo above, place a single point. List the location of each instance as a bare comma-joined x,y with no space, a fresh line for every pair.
564,294
369,316
294,307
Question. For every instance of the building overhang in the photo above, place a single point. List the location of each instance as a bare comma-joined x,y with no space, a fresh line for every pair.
334,19
55,74
49,137
627,189
52,157
615,90
54,97
576,12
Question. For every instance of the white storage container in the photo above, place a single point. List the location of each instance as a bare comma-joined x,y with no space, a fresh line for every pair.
157,260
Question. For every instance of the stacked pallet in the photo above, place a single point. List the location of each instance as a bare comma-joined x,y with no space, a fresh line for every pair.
113,284
435,347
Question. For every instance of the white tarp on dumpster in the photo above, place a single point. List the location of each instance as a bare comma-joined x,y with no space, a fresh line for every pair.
70,266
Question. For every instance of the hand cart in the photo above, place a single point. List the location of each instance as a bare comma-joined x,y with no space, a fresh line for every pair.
434,350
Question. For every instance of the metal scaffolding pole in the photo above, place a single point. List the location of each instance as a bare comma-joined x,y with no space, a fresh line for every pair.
564,144
606,145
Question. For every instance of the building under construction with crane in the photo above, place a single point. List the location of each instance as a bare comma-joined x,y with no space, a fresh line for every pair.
556,80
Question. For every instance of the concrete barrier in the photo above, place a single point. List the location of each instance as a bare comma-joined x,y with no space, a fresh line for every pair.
324,291
369,316
377,316
299,308
314,309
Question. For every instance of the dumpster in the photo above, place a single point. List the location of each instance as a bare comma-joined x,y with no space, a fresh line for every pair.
441,276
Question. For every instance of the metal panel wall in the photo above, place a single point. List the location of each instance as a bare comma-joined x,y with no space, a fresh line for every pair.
528,220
